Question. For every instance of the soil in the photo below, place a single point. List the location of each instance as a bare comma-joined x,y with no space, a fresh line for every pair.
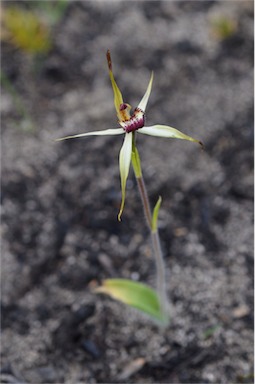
60,234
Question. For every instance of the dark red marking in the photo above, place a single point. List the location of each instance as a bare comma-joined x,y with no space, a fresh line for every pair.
123,106
135,122
109,60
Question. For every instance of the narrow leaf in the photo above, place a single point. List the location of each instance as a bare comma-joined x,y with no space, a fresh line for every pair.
154,223
134,294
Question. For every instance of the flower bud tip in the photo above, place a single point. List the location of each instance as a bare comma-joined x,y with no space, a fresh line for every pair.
109,60
201,144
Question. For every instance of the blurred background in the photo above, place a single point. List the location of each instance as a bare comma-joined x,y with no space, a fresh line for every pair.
60,234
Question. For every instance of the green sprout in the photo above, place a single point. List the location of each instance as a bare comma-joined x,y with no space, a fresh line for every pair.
153,303
223,27
30,29
27,123
25,30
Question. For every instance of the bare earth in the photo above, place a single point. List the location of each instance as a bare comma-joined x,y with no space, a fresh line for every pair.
60,234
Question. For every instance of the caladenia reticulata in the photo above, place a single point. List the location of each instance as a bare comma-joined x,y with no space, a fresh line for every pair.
133,293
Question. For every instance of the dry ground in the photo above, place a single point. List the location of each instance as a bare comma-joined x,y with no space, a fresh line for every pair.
60,200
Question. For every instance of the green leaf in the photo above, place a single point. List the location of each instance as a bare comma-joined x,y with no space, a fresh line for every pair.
25,30
209,332
154,222
134,294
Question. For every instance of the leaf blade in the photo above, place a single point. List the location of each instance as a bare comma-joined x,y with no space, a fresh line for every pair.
134,294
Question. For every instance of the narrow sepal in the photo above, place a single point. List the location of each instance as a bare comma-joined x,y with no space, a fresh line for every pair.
115,131
143,103
136,162
124,164
118,100
168,132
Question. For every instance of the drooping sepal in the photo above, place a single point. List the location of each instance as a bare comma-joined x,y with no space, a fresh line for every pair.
124,164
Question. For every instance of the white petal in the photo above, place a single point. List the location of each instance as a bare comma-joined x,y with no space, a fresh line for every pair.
144,101
166,131
124,163
115,131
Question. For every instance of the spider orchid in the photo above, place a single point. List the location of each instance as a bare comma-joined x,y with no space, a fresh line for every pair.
129,125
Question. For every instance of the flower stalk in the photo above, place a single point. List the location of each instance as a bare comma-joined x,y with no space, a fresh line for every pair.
151,221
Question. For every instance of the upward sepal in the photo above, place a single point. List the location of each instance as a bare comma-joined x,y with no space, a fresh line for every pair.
118,100
143,103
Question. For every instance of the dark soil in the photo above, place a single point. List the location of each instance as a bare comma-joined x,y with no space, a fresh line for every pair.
60,201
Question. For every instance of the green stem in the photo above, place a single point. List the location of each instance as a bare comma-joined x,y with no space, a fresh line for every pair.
161,277
11,89
145,200
160,266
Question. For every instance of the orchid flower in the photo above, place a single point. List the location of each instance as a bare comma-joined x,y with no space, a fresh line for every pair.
129,125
